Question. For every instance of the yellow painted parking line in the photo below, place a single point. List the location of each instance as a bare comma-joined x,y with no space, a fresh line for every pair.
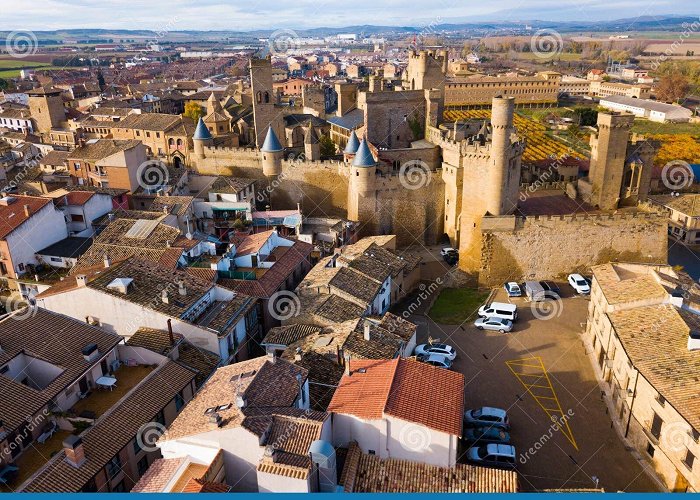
554,414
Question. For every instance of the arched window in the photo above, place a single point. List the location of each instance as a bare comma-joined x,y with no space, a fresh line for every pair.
267,96
171,142
258,97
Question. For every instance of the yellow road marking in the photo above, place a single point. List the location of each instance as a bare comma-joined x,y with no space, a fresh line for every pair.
552,413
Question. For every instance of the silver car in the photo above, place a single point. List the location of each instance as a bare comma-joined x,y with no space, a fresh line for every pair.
497,324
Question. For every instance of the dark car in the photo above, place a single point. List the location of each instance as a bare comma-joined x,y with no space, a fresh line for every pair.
486,435
451,257
551,290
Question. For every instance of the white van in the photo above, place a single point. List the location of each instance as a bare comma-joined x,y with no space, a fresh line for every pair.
534,291
501,310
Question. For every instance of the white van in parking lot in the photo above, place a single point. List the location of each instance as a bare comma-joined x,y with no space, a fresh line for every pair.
534,291
501,310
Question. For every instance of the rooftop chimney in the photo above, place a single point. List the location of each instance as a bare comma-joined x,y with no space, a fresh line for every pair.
27,211
90,352
297,354
271,453
170,332
81,280
164,297
694,341
215,421
75,451
347,365
366,329
241,401
181,288
106,260
273,357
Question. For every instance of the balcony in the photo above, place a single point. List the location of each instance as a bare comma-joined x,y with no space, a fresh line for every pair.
98,175
33,458
101,400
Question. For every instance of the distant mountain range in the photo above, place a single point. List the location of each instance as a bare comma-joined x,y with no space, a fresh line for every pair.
472,24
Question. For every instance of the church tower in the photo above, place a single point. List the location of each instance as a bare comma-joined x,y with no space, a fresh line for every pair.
265,111
46,108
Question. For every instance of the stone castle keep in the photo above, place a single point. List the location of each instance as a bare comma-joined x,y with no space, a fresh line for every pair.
461,179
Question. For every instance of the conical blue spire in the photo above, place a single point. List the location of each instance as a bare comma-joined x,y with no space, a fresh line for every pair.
271,144
353,144
363,157
201,132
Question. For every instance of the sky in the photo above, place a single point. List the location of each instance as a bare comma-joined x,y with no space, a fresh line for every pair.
243,15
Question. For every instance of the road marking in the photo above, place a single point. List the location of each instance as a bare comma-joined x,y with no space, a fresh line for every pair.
518,368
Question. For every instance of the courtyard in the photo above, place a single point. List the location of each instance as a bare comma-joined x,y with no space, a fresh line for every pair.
540,373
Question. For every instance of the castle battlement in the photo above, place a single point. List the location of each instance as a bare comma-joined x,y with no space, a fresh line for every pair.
231,150
513,222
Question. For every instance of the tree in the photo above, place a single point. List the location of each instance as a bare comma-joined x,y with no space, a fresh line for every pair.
587,117
100,80
193,111
3,84
327,146
672,87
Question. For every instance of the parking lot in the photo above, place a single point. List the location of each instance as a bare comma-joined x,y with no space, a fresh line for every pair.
540,372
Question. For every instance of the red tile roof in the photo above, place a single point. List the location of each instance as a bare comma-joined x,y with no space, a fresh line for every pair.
404,388
253,242
12,216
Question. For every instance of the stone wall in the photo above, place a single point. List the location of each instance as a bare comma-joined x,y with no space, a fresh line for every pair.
548,247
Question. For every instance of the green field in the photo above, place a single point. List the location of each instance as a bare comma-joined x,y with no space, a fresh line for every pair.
10,68
646,127
454,306
531,56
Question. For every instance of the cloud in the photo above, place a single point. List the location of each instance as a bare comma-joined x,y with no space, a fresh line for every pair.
41,15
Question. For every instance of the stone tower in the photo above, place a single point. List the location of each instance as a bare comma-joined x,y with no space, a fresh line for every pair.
265,112
312,145
490,165
201,139
426,70
272,155
608,155
216,119
362,185
46,108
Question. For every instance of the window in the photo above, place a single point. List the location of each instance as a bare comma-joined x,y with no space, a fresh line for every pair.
160,418
179,401
142,466
650,449
656,425
77,218
689,460
114,466
661,400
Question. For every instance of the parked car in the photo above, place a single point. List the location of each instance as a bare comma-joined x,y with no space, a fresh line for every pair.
579,283
486,435
442,349
493,454
450,255
497,324
551,290
534,291
447,250
512,289
436,360
501,310
487,416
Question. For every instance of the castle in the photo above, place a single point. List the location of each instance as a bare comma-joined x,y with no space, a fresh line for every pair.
461,179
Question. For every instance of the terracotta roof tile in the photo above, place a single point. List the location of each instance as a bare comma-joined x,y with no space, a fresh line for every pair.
12,216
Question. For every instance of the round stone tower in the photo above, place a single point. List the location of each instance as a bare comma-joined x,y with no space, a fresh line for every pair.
202,138
502,111
272,154
363,171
